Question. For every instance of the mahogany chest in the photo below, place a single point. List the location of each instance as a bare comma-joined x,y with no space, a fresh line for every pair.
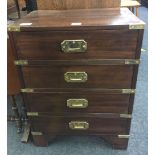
78,71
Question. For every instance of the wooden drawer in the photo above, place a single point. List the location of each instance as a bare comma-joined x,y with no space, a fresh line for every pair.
106,76
102,44
90,124
64,102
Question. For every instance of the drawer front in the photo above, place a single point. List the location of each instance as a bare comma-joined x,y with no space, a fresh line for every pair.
84,102
95,124
112,76
102,44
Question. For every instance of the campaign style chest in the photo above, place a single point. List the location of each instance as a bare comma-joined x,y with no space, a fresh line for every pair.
78,72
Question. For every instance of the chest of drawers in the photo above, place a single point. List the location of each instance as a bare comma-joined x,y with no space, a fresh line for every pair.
78,71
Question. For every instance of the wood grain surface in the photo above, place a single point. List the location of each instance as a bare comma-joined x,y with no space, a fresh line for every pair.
110,18
101,44
110,77
97,102
98,124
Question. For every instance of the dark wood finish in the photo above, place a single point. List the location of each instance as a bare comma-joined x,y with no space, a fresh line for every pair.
43,140
78,62
78,4
101,44
110,42
117,143
40,140
97,102
13,84
81,62
79,90
139,45
114,141
91,19
18,69
106,124
118,77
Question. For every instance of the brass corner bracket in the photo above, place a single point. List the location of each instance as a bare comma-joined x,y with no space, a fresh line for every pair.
21,62
27,90
125,116
136,26
128,91
12,27
124,136
132,61
32,114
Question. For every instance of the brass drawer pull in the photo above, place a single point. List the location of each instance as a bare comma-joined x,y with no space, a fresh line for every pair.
78,125
75,77
77,103
74,46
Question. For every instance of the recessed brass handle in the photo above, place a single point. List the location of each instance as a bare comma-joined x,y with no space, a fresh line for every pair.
75,77
74,46
78,125
77,103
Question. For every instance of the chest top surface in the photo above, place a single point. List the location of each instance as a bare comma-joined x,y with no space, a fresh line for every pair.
110,18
